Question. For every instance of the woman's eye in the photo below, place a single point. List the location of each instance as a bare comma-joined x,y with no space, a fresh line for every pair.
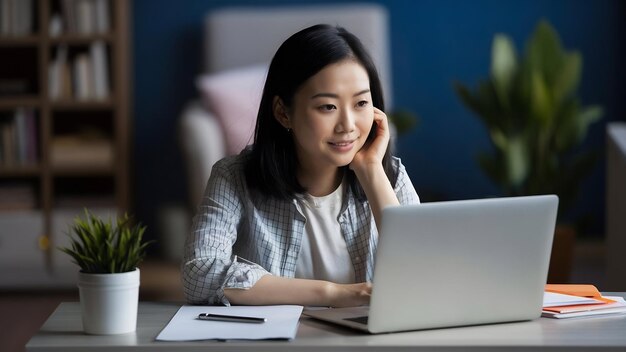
362,103
327,107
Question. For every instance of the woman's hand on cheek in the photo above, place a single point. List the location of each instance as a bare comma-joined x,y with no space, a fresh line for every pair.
373,150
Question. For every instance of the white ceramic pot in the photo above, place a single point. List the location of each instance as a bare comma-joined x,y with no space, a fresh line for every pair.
108,302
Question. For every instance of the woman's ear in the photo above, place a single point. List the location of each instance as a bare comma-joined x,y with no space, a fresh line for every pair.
280,112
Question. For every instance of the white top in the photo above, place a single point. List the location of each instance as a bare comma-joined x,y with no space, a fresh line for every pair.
324,253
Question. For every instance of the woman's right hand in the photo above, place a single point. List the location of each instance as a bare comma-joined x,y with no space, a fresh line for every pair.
349,295
272,289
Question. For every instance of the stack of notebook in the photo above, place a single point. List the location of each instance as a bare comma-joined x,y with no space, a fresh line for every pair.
569,301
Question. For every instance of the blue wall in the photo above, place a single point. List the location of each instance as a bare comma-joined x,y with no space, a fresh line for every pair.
433,44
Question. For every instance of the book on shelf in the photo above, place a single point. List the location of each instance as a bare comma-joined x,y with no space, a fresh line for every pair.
86,17
100,66
86,78
7,157
103,16
82,78
18,138
72,151
5,17
17,196
67,16
55,74
55,25
85,22
16,17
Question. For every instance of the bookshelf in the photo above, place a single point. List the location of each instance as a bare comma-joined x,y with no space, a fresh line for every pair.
64,129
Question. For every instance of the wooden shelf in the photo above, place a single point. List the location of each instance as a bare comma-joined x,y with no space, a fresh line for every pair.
20,171
75,171
29,40
29,61
20,101
82,105
80,39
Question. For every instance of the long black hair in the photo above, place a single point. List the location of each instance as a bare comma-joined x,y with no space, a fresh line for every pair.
272,163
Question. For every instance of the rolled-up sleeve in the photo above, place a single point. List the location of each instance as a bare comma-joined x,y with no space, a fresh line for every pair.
209,265
404,187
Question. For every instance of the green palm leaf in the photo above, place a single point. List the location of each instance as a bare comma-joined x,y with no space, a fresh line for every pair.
97,246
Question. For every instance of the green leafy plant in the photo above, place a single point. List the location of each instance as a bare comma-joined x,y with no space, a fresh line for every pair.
100,247
403,120
534,118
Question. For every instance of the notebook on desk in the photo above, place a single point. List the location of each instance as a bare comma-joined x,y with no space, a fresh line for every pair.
457,263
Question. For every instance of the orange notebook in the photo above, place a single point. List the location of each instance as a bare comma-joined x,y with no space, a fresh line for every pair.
577,290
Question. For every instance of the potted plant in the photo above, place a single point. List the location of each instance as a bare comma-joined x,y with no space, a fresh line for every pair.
535,120
108,254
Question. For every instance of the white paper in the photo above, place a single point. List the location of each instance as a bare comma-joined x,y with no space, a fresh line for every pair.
588,313
551,299
282,323
618,307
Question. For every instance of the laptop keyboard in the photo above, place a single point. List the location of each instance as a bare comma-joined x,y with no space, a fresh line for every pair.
359,320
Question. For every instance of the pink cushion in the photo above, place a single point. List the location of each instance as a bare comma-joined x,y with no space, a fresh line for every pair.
234,96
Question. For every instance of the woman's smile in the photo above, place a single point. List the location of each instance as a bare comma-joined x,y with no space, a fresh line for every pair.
342,146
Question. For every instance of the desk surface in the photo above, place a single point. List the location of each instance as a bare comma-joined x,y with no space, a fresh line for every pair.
63,332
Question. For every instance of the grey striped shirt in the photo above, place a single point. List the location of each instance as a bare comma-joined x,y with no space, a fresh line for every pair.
237,236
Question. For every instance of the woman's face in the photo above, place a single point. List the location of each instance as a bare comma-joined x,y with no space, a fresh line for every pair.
332,115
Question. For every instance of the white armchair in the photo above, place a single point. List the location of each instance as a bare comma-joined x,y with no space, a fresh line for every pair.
238,43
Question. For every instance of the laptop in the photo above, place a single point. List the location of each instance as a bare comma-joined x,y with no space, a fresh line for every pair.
456,263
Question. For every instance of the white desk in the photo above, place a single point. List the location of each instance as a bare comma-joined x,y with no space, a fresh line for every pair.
63,332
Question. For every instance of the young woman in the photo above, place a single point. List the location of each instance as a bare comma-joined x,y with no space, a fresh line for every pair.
293,219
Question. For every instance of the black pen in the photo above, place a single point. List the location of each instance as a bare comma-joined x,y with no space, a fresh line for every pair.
231,318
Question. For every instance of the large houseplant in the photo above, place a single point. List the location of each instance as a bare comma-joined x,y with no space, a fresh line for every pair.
108,254
534,118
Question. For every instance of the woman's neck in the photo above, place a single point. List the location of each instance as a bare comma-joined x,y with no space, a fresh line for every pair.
320,183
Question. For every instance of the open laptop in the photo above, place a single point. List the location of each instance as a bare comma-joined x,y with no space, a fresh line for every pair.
457,263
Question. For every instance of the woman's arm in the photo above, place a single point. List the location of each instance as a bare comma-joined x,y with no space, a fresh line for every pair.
272,289
368,167
378,190
209,264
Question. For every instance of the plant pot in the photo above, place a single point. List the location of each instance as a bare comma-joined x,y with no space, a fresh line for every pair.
108,302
